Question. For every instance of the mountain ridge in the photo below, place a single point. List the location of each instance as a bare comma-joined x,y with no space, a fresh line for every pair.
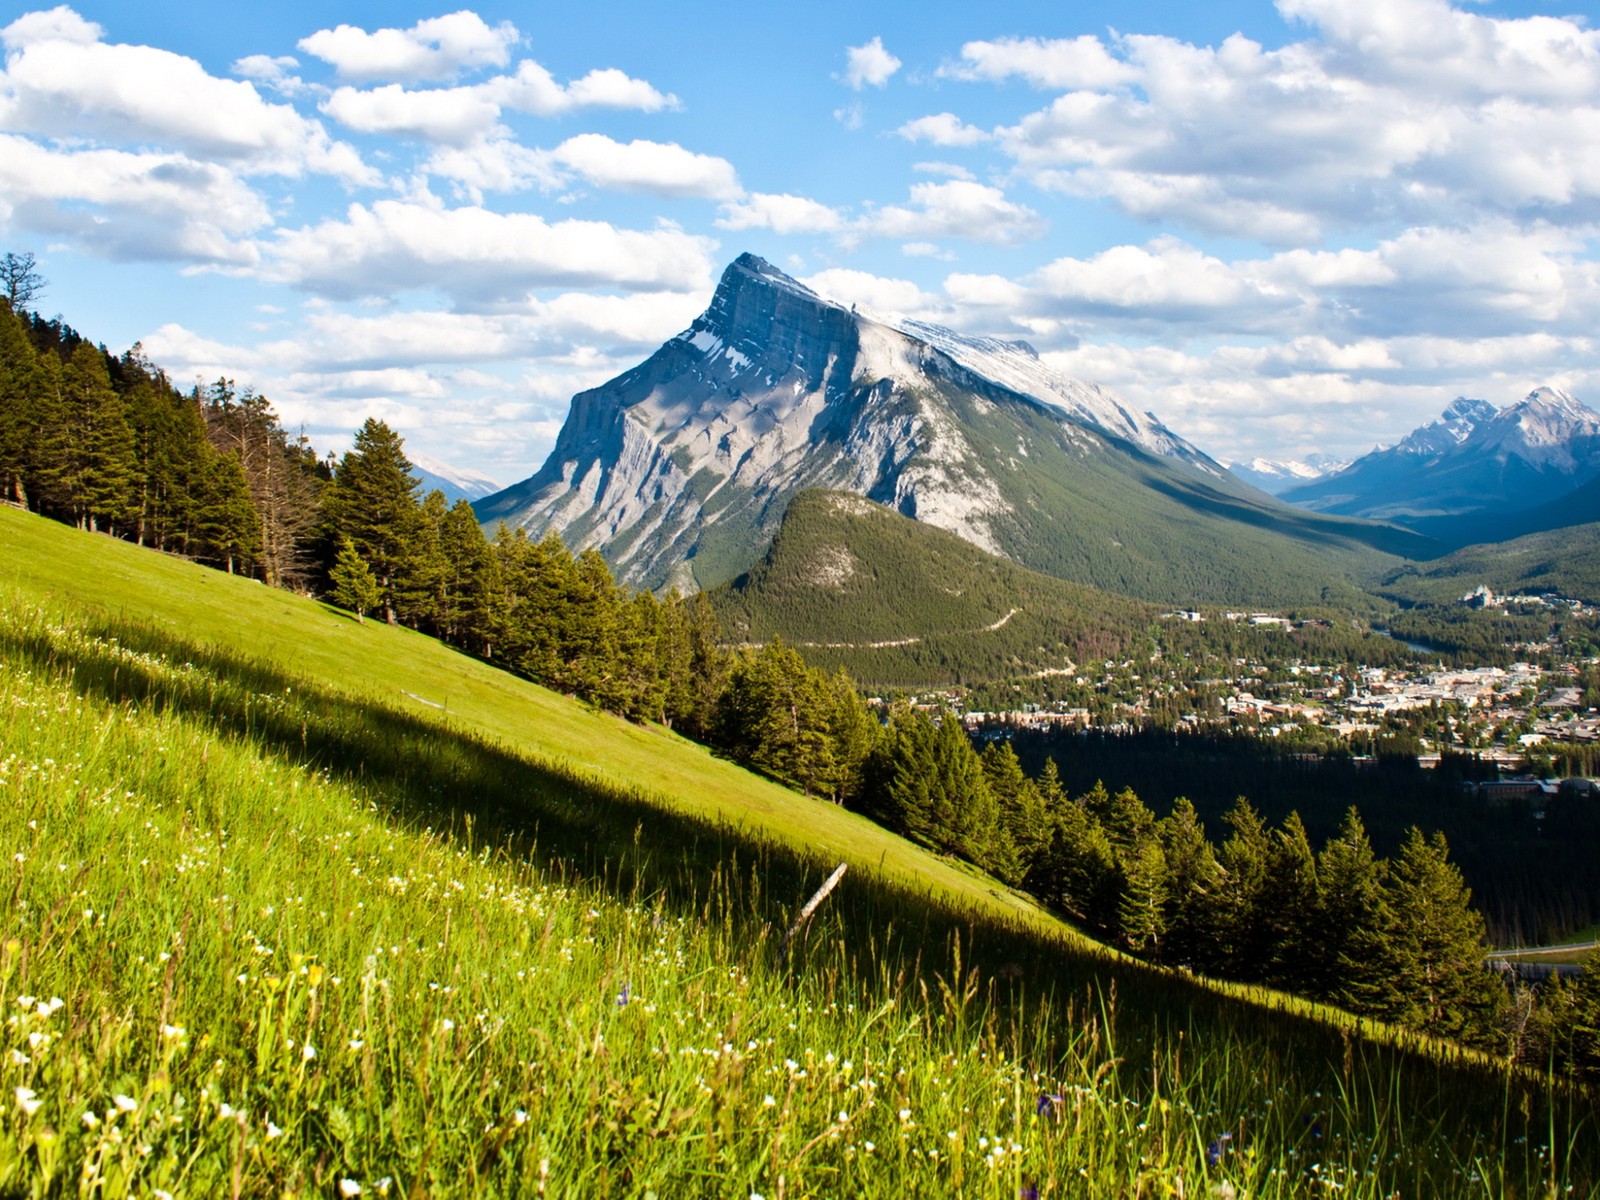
680,469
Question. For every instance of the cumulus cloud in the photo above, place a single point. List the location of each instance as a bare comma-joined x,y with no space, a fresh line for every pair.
458,116
869,65
781,213
128,206
479,257
1080,62
958,208
846,286
654,168
942,129
61,82
1415,112
436,48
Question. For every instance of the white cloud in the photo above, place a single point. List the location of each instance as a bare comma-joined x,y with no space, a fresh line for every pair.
271,72
452,116
874,292
532,89
59,24
1408,113
479,257
956,209
130,206
780,213
655,168
869,65
942,129
1080,62
436,48
140,96
458,116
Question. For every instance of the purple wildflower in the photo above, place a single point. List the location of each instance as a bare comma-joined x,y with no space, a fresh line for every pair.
1046,1103
1218,1148
1030,1191
624,995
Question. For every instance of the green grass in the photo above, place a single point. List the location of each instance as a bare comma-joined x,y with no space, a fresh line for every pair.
532,951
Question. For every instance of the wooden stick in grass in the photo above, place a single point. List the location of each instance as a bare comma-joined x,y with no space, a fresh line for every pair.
817,898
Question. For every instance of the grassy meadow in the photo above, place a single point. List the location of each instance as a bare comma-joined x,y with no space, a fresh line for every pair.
300,906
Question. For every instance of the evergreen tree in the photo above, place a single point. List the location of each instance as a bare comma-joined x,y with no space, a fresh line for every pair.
1191,878
99,458
19,424
1353,920
1438,981
373,503
1290,907
227,527
1237,938
1141,907
1078,871
468,616
353,585
1022,810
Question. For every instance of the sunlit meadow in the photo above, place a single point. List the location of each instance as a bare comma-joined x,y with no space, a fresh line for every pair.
269,936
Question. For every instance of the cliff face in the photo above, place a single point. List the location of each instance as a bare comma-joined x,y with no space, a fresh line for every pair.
680,469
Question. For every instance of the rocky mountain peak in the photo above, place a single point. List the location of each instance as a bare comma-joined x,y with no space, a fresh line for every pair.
1454,426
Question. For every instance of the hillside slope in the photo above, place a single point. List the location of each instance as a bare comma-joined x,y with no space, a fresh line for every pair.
311,933
900,604
1565,561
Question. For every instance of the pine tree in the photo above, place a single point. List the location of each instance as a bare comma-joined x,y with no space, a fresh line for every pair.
353,585
1191,878
1237,939
1290,906
100,461
18,421
373,503
1022,810
1438,980
227,527
1353,920
1078,872
1141,908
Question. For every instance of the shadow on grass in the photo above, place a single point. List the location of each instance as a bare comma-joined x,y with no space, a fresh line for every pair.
426,773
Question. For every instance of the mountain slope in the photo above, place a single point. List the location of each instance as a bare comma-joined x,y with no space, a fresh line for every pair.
680,470
1565,561
1473,459
457,483
897,603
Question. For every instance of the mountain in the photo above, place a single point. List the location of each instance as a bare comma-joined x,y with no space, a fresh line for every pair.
680,469
1475,459
1273,477
898,603
457,483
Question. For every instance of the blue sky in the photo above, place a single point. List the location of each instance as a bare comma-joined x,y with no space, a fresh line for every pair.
1283,229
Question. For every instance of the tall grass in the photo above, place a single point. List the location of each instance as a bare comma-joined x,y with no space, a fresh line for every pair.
266,936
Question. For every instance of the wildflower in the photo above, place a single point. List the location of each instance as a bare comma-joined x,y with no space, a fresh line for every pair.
273,1131
349,1187
383,1185
28,1101
125,1104
1029,1191
172,1032
519,1117
19,1059
90,1121
1218,1148
1047,1102
768,1101
624,995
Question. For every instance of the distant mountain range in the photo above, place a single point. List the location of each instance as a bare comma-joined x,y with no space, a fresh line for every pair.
680,470
1478,473
457,483
1276,477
